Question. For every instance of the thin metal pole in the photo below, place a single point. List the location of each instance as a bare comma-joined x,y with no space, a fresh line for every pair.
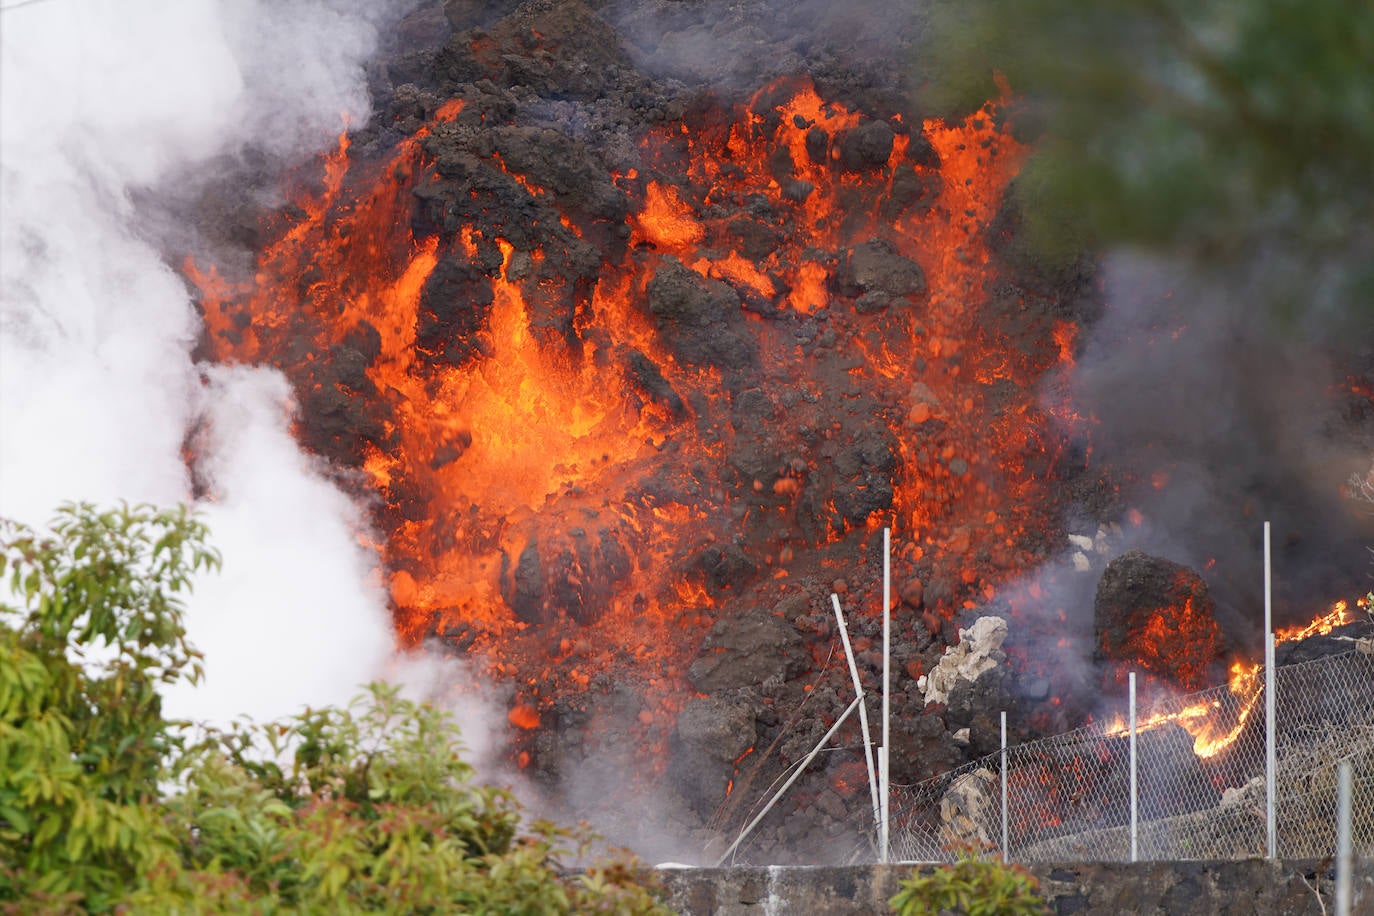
884,769
1006,853
885,774
791,779
1135,806
1343,845
863,709
1270,713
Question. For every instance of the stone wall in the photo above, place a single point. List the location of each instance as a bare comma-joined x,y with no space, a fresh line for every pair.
1165,888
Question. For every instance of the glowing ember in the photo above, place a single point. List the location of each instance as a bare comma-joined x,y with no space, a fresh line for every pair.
524,717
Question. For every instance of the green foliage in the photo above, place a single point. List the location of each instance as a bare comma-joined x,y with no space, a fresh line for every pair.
105,806
92,628
366,809
1227,131
973,886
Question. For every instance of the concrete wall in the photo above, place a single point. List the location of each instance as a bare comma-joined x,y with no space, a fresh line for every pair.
1166,888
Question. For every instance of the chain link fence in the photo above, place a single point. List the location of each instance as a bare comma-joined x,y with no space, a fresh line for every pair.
1200,779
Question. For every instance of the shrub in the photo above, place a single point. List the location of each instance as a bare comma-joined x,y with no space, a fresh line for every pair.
107,806
973,886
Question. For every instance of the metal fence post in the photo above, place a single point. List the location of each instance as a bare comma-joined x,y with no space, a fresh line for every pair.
1270,715
1006,854
1343,844
1134,804
884,772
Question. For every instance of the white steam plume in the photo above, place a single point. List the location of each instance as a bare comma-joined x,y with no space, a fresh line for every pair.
99,100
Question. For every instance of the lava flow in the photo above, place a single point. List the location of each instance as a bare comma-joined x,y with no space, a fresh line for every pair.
586,425
1217,721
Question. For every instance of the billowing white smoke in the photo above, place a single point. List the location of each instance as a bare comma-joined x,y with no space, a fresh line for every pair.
97,386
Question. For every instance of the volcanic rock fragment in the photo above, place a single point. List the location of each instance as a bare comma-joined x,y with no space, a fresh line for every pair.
970,811
818,145
454,304
876,266
711,734
978,652
726,565
651,381
867,146
702,318
1156,616
746,651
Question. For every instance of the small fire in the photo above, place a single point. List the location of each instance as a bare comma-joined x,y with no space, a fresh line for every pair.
1340,614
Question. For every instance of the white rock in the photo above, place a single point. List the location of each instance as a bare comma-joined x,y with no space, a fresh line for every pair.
1252,790
1082,542
1081,563
979,650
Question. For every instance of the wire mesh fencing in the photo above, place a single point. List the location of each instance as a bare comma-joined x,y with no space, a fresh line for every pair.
1199,784
1325,714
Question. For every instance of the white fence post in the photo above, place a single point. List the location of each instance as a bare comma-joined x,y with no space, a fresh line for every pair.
1270,715
1343,844
1134,803
1006,854
884,771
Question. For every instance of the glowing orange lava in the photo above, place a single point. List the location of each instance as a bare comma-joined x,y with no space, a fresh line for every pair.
1212,728
550,467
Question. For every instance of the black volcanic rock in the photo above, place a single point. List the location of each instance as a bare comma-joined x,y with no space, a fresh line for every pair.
1156,615
747,650
454,304
876,266
867,146
701,317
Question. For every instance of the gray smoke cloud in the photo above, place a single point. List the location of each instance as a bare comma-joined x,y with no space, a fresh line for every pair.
104,102
1230,417
742,45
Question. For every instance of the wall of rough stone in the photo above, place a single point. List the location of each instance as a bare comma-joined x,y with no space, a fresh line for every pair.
1143,888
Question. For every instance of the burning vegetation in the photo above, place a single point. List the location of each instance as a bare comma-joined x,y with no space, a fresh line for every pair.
630,372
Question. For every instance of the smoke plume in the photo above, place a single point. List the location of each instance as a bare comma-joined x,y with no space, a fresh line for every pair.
104,103
1225,417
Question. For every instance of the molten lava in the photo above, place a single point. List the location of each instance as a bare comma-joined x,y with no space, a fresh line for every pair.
1216,723
1178,642
558,465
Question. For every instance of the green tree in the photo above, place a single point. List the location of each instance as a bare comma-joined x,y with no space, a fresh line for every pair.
94,629
106,806
1235,134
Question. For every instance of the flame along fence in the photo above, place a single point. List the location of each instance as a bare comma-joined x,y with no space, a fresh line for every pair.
1068,797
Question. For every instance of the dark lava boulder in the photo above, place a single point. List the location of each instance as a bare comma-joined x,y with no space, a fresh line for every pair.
711,734
747,650
1155,616
700,318
875,266
867,146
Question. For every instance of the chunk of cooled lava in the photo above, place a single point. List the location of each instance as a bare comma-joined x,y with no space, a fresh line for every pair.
978,651
1155,616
